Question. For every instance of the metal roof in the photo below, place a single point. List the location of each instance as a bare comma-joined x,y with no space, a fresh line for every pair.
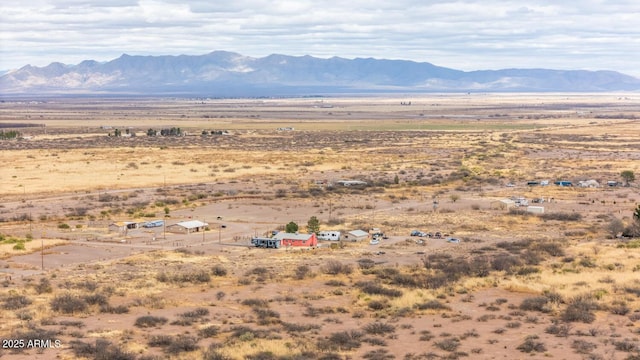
291,236
192,224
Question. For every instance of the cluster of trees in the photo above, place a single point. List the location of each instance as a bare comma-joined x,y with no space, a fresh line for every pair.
7,135
313,226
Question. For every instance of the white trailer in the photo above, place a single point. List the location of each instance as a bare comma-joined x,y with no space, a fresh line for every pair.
329,235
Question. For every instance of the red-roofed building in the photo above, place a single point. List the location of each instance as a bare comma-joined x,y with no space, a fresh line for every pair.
289,239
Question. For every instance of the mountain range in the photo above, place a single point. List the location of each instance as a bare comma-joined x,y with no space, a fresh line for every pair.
222,73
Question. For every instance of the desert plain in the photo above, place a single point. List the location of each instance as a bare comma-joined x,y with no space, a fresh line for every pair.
557,277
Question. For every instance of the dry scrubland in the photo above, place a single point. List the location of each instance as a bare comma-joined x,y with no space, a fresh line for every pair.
518,285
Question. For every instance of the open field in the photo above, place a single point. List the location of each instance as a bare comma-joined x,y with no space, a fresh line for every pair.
561,285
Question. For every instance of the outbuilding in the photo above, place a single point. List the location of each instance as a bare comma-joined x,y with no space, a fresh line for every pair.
356,235
187,227
292,239
124,226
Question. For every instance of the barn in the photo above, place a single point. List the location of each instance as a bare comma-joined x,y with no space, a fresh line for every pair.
290,239
187,227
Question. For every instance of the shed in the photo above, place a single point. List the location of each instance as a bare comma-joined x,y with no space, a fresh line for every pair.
123,226
535,209
187,227
356,235
291,239
503,204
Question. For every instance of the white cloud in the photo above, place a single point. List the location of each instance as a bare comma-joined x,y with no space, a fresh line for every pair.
463,34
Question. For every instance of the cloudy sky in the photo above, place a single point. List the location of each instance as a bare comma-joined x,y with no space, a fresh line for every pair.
464,34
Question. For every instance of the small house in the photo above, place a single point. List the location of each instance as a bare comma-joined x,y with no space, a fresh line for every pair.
356,235
187,227
292,239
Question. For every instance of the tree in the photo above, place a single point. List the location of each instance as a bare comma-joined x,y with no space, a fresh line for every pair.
313,225
636,214
628,176
291,227
396,179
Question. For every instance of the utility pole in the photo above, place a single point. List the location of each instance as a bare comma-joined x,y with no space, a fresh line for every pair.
219,233
42,250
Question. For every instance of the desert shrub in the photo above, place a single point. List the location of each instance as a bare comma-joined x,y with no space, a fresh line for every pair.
150,321
504,262
15,302
208,331
255,302
583,347
377,305
407,280
366,264
580,309
297,328
342,341
334,267
378,354
432,305
160,340
378,328
194,277
120,309
334,282
531,344
551,248
44,286
302,271
96,299
538,303
619,308
213,353
626,345
438,280
426,335
68,304
195,314
266,316
527,270
103,349
449,344
371,288
562,216
560,330
182,343
218,270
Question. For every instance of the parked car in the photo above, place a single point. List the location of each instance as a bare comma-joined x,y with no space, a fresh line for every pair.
453,240
416,233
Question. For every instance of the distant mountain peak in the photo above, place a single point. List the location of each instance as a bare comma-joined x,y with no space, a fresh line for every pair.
224,73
